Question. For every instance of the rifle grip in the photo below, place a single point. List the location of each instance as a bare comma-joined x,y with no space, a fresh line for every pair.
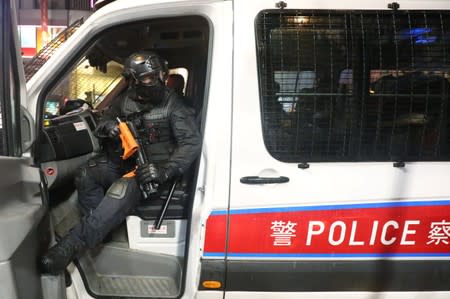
129,143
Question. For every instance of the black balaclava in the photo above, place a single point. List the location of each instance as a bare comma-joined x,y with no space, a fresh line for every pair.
153,94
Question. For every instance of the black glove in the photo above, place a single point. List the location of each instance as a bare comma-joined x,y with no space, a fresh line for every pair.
107,128
149,173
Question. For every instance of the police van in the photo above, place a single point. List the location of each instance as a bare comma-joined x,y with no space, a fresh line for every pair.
324,170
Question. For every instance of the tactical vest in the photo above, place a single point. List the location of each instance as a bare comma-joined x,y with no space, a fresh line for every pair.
153,126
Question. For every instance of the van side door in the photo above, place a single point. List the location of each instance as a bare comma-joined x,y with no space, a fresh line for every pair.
340,158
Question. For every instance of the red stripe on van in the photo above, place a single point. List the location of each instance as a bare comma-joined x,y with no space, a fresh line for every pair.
215,236
409,231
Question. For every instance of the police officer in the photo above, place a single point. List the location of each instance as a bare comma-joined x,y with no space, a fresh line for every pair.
171,141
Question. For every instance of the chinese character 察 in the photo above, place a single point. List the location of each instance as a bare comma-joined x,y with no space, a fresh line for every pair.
439,232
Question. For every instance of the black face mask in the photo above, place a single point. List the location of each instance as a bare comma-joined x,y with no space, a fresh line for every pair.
153,94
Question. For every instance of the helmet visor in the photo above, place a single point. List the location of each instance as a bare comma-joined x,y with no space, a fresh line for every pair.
150,79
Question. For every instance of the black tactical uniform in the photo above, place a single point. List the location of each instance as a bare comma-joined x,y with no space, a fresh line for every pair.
170,138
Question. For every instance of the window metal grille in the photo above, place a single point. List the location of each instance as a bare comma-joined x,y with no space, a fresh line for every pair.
32,66
355,86
79,4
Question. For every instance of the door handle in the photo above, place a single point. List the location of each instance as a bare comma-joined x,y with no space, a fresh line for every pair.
253,180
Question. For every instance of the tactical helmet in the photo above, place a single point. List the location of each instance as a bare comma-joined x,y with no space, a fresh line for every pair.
143,64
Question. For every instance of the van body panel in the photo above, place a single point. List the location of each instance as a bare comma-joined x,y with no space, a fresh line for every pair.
277,224
212,191
339,185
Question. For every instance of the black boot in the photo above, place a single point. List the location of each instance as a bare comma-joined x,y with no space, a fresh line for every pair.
60,255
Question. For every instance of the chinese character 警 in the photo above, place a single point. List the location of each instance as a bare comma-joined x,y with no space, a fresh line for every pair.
283,232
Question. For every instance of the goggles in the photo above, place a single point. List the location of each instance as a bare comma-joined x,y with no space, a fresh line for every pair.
148,79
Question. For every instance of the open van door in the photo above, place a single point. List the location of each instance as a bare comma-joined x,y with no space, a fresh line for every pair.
22,210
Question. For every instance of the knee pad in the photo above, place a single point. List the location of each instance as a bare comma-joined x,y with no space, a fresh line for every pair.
118,189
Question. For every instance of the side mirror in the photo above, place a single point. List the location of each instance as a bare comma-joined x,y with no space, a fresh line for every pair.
27,129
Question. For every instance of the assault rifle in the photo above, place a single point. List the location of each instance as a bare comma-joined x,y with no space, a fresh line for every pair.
132,144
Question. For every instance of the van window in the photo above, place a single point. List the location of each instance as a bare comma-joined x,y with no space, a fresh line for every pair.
354,86
83,82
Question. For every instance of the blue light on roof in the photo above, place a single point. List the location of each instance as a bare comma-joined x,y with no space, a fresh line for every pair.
423,40
419,31
419,35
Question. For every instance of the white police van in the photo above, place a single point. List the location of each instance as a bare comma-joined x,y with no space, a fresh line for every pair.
325,163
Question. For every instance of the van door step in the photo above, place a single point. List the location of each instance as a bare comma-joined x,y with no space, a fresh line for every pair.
114,270
137,286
